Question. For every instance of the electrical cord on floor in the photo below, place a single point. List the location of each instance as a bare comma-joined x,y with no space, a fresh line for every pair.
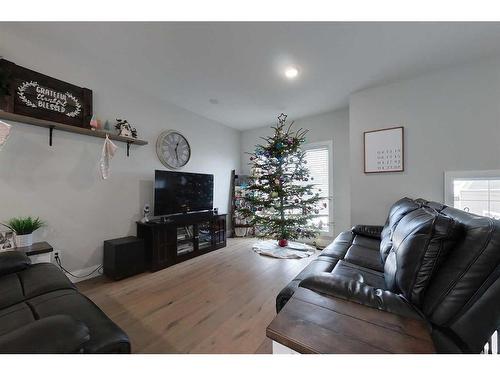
59,263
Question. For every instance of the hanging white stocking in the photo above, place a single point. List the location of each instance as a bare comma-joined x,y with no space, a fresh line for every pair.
108,151
4,133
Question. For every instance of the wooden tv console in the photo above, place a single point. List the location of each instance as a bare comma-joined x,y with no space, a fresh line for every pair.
181,237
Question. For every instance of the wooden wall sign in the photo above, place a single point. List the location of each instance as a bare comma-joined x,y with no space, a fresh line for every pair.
39,96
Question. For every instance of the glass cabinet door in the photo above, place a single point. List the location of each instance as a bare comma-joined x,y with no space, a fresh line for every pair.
204,235
185,240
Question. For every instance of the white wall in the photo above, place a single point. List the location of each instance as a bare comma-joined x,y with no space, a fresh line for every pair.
331,126
452,122
61,183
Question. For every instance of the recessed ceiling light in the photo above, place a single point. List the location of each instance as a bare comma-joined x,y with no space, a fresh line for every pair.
291,72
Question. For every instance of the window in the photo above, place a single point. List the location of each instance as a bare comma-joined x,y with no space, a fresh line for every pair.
477,192
318,156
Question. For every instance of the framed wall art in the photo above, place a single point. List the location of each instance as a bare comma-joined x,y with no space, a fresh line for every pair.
384,150
7,241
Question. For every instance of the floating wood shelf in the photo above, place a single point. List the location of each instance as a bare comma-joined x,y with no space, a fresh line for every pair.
69,128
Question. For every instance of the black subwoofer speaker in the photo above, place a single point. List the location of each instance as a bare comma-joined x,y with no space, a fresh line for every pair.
123,257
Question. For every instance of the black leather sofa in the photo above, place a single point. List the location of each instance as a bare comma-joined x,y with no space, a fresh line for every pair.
429,261
41,311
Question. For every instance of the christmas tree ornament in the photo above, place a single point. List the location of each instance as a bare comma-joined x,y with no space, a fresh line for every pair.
283,242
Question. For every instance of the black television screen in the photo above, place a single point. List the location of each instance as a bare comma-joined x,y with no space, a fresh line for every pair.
180,192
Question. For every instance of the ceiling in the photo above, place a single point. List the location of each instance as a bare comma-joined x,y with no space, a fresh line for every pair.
233,72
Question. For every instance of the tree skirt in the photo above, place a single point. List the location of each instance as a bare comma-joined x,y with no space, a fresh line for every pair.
294,250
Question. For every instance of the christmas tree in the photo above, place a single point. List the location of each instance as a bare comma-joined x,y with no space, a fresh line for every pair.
281,199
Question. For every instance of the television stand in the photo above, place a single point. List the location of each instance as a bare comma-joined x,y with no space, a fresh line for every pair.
181,237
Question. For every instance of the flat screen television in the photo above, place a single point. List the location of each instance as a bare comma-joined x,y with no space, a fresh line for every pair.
180,192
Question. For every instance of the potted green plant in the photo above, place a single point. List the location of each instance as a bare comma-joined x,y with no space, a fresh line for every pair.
24,228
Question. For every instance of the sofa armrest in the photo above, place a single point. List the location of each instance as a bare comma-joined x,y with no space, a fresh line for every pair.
355,291
13,261
372,231
58,334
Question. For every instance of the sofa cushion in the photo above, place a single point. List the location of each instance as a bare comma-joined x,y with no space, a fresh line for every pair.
105,336
14,317
361,274
364,256
370,243
11,291
421,241
396,213
42,278
371,231
339,246
466,277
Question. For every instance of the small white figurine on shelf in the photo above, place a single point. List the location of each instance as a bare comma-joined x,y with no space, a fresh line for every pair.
145,214
125,129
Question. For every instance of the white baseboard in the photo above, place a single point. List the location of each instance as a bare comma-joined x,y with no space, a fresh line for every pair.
83,272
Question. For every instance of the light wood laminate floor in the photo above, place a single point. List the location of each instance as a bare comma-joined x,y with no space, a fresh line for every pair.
220,302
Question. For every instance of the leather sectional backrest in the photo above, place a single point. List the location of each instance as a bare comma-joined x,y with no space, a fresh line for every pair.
396,213
464,296
421,241
439,207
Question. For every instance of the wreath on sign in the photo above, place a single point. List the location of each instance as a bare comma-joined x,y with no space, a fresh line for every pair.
21,90
78,106
21,93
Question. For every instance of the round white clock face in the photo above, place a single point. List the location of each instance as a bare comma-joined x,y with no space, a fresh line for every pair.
173,149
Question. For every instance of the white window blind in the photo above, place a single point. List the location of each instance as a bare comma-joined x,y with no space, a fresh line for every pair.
477,192
481,196
318,162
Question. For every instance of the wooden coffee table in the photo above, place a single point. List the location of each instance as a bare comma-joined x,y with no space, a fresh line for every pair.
313,323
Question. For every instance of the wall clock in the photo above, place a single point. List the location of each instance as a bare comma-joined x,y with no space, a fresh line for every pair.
173,149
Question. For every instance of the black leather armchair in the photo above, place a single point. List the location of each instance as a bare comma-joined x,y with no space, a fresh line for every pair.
41,311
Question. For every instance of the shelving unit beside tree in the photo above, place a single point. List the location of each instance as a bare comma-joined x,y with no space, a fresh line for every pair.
239,224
